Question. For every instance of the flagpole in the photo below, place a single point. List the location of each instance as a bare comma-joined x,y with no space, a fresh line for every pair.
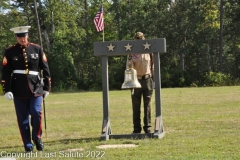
99,21
103,20
103,34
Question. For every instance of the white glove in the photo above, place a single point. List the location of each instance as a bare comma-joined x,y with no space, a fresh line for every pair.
8,96
153,85
45,94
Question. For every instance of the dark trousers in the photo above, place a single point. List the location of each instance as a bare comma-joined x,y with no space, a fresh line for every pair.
29,110
145,92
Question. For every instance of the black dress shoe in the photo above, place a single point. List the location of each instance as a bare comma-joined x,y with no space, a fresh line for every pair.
29,149
39,144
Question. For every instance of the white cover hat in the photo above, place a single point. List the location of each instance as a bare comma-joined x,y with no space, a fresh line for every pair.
20,29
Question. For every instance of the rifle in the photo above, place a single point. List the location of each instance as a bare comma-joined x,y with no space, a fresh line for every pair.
45,120
44,108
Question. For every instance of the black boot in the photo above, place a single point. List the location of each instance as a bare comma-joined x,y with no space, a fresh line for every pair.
39,144
147,131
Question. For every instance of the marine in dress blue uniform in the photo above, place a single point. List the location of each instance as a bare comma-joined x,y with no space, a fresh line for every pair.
26,80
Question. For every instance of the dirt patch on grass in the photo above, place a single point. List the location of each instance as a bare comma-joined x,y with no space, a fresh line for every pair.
75,150
116,146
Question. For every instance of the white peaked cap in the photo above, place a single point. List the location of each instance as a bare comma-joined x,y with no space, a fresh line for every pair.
20,29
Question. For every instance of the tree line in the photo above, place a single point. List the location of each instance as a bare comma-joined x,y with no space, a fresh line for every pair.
202,38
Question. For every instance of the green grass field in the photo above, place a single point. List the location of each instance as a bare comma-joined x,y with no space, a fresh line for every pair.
199,123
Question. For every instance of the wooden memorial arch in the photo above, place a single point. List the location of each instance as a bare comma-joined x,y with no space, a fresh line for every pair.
114,48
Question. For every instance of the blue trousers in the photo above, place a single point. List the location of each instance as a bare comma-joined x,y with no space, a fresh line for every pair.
29,111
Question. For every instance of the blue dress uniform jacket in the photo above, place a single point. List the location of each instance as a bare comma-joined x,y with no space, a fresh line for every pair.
28,59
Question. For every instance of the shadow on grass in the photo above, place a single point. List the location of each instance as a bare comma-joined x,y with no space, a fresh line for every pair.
61,141
84,140
80,140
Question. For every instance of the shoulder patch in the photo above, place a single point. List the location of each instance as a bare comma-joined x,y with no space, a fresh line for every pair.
44,57
4,62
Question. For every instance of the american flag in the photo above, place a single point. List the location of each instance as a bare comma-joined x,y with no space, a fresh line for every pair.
98,20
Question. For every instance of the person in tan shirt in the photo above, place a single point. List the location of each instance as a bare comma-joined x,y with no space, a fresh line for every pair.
143,64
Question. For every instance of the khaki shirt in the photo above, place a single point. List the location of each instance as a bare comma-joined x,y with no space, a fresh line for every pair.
142,64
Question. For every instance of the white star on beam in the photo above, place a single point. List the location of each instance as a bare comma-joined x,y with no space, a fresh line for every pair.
146,46
110,47
128,47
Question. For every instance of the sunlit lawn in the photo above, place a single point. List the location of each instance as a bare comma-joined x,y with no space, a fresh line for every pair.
200,123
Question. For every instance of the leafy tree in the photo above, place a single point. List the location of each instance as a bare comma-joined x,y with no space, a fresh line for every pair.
191,29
